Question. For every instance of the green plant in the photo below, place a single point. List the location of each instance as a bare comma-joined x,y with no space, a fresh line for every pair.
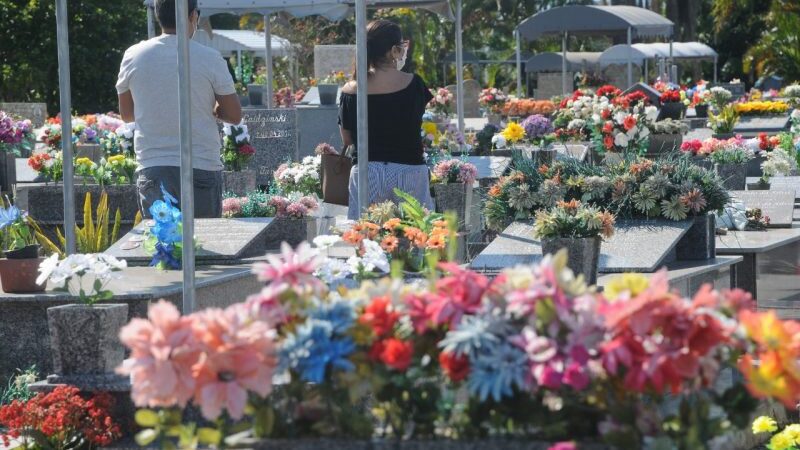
16,231
725,121
18,386
573,220
731,154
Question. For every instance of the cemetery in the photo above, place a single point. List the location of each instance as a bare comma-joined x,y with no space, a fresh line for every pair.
604,252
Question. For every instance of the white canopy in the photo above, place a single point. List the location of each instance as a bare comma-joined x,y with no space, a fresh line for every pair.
228,42
638,53
331,9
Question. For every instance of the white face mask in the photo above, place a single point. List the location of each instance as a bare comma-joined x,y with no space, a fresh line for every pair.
401,62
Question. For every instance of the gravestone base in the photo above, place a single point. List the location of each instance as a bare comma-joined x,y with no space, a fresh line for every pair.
699,242
45,201
290,230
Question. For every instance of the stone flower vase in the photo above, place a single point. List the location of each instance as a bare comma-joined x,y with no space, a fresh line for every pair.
290,230
456,197
239,182
19,270
701,111
663,143
699,243
327,93
583,254
494,119
671,110
256,94
544,156
734,176
8,173
759,185
84,339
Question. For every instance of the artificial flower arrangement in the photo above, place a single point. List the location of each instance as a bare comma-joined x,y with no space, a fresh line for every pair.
624,129
756,220
724,121
303,177
261,204
731,151
792,94
454,171
285,97
538,129
669,126
512,135
60,419
779,163
18,230
440,142
406,235
164,239
670,187
236,148
442,102
524,107
532,354
120,141
573,219
117,169
759,108
493,100
671,96
84,276
719,97
335,77
16,136
48,164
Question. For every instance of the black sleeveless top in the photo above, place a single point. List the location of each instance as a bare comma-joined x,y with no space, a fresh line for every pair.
395,122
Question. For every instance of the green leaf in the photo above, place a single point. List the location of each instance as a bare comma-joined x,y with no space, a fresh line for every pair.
209,436
146,437
146,418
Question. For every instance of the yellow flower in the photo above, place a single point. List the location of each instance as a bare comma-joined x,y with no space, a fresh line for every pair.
513,133
764,424
793,431
781,441
84,162
116,159
632,283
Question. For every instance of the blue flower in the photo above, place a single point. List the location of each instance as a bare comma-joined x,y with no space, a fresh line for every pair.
161,211
167,232
8,216
165,257
475,334
339,314
313,348
497,371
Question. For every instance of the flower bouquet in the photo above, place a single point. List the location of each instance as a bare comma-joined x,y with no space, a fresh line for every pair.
492,100
236,148
524,107
723,122
16,136
164,240
672,106
792,95
119,141
452,185
730,162
302,177
442,103
49,165
293,214
719,97
84,276
761,108
624,129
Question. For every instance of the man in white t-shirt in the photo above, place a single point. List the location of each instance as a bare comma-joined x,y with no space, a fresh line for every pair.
148,95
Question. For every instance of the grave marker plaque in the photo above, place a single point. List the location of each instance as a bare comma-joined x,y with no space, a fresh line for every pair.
490,166
221,241
622,253
273,133
791,184
777,205
36,112
767,124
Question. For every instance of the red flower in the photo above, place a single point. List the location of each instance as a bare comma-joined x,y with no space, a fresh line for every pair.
380,316
606,114
455,367
670,97
609,91
397,354
608,142
247,150
629,123
376,350
608,127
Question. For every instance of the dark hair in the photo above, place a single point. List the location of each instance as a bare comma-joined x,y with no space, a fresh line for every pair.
165,12
382,35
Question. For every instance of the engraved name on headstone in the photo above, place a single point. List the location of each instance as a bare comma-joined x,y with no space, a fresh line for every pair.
273,133
35,112
777,205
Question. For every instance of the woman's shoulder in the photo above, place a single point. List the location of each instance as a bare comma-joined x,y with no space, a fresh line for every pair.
350,87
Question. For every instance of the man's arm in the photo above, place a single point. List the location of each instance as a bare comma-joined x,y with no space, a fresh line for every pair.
126,107
228,108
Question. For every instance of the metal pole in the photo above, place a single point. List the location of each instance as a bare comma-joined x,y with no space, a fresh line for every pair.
65,99
185,129
519,63
630,55
646,69
459,70
564,64
268,40
239,65
715,70
151,27
362,138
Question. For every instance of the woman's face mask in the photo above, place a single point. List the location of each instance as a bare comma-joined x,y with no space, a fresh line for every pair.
401,61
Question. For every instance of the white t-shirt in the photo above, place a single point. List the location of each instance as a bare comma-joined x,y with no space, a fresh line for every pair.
149,70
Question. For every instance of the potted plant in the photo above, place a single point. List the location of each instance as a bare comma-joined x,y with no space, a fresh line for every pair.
778,163
441,105
538,131
730,163
719,97
83,335
672,106
666,137
577,228
452,184
724,122
493,100
328,87
293,215
236,153
21,249
700,102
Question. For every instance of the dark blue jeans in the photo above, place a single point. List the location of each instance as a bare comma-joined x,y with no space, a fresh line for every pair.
207,189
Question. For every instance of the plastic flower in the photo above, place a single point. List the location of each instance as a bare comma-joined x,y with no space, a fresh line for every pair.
380,316
396,353
313,348
8,216
497,371
513,133
456,295
456,367
764,424
628,284
294,267
781,441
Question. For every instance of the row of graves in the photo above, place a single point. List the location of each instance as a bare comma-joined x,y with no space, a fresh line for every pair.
647,203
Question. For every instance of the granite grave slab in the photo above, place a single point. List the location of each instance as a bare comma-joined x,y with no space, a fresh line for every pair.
220,241
273,133
782,184
652,94
622,253
578,152
35,112
317,124
767,124
737,89
777,205
490,166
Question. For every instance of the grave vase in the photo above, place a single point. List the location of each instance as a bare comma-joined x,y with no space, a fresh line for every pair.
91,151
84,339
256,94
239,182
671,110
754,166
723,136
734,176
327,93
494,119
759,185
544,156
291,230
583,254
699,243
663,143
701,111
455,197
8,172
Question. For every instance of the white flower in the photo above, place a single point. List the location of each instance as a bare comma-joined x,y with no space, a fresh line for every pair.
498,141
332,270
77,263
326,241
375,256
619,117
46,269
651,112
226,129
621,140
795,114
111,261
644,132
48,163
576,124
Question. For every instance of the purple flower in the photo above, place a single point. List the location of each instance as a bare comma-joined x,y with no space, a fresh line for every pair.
537,126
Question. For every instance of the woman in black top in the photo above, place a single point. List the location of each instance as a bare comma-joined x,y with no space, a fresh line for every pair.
396,103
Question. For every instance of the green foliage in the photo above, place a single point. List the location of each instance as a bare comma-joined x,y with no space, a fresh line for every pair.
99,33
725,121
17,388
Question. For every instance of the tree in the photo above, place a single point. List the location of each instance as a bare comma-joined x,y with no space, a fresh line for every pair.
99,33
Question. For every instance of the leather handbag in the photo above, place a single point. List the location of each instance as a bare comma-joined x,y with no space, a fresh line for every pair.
336,179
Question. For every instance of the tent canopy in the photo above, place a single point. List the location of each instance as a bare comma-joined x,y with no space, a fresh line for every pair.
331,9
638,53
593,20
469,58
228,42
552,62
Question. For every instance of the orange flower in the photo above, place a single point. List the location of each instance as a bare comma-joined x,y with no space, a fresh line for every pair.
629,123
495,191
572,205
437,242
440,224
391,224
389,244
543,169
420,239
352,237
411,232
